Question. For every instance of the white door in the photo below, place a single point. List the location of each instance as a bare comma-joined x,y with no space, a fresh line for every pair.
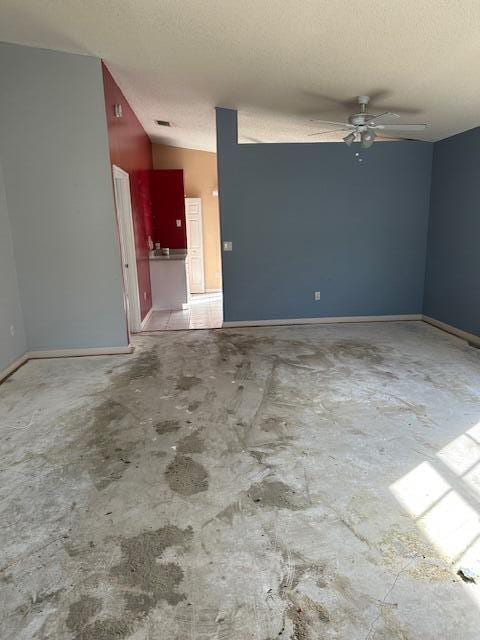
123,205
193,215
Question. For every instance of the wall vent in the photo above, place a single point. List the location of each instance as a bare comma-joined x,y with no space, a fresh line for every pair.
163,123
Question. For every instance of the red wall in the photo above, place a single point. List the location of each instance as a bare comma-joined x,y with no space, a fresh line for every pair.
131,150
168,201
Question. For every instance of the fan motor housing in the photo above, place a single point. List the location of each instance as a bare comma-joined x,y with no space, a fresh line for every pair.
359,118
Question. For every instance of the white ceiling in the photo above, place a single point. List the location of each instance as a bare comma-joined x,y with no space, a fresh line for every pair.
280,62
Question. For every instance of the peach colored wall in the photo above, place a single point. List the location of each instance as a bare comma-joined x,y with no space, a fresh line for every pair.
200,177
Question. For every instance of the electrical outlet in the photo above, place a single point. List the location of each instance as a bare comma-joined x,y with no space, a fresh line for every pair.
12,330
144,295
179,223
227,246
317,296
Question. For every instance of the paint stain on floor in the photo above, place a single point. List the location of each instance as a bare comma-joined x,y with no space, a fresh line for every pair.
185,476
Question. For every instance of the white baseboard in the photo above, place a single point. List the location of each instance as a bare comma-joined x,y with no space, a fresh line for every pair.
331,320
146,319
469,337
75,353
213,291
63,353
16,364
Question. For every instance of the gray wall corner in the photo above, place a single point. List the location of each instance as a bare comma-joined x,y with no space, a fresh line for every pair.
227,126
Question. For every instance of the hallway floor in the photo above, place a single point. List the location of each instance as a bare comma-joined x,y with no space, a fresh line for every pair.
298,482
206,312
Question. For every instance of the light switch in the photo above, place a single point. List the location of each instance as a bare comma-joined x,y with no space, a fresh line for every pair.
227,246
179,223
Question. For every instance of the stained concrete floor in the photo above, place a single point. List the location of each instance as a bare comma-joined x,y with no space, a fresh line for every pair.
311,482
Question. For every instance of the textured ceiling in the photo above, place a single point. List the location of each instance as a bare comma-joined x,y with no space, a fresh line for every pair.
279,62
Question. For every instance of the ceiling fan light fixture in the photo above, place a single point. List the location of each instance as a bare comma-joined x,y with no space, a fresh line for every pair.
364,125
367,138
349,139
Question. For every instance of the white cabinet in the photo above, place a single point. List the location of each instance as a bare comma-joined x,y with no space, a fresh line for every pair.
168,279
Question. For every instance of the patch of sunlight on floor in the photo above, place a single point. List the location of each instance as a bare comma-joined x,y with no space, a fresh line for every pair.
441,495
419,489
452,525
463,453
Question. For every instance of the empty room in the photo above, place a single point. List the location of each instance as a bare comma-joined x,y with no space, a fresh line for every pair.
239,320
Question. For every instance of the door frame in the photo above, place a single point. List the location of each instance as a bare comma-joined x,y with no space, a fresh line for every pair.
123,208
199,201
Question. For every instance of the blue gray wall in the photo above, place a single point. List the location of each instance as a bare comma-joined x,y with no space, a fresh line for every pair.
452,283
309,217
58,185
12,334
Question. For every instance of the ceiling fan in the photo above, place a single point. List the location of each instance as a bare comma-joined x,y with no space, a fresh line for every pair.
364,127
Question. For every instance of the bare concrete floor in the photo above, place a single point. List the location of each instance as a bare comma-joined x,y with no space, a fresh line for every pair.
311,482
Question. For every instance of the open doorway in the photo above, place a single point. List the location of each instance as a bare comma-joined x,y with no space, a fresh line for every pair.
123,206
187,227
205,305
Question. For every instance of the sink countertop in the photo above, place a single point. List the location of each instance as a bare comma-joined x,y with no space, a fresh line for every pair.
175,254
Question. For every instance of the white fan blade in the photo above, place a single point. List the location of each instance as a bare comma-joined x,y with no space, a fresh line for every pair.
396,138
401,127
323,133
342,124
382,116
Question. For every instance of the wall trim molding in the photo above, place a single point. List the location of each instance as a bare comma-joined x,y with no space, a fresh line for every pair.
104,351
213,290
327,320
459,333
62,353
16,364
75,353
146,319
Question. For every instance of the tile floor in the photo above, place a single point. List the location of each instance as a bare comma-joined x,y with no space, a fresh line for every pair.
206,312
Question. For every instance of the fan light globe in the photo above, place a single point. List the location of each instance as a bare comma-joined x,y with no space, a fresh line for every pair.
368,138
349,139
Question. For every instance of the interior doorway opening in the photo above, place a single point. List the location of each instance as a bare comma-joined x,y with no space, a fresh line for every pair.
186,227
